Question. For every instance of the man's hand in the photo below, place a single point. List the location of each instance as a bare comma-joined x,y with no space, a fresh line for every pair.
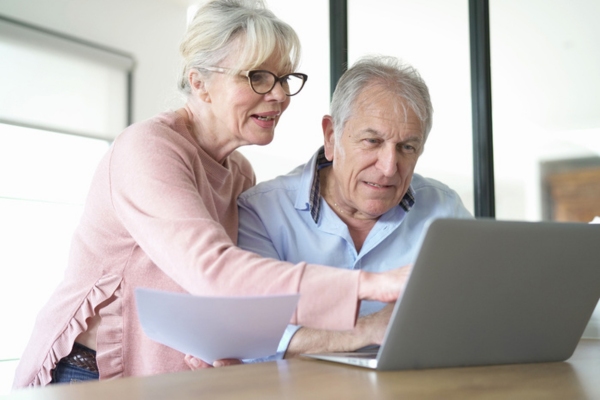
196,363
369,330
384,286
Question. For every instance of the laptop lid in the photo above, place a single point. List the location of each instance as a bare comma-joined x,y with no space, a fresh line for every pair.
486,292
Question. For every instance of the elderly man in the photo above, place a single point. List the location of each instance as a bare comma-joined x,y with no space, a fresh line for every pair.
357,203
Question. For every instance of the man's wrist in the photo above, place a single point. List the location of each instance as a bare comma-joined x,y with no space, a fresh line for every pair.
308,340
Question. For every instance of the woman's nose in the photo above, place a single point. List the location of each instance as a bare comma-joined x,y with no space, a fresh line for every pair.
277,93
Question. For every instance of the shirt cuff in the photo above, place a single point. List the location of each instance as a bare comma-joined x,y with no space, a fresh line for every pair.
289,332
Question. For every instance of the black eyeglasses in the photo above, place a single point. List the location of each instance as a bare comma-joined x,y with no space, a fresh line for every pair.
262,82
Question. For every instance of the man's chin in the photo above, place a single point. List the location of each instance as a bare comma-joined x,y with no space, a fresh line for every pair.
375,211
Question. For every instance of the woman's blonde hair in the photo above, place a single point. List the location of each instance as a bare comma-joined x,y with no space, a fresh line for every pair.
214,32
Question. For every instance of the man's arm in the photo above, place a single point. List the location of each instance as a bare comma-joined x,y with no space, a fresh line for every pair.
255,235
369,330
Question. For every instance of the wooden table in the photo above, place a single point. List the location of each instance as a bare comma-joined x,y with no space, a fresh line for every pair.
577,378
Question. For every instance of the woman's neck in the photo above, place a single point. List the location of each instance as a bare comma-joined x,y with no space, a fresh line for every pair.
214,144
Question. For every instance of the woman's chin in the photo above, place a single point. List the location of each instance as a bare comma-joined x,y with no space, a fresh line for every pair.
262,140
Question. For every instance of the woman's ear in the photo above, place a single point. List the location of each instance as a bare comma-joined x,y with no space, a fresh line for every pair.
198,85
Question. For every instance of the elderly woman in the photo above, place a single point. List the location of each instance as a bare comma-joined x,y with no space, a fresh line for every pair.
162,213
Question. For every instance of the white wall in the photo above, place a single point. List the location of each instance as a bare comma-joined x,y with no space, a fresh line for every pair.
149,30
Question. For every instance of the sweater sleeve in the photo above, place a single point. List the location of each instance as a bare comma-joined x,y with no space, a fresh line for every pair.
163,199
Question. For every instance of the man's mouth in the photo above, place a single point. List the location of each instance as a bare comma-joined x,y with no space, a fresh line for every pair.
377,185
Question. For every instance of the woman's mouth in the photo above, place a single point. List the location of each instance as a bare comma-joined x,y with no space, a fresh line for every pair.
267,120
264,118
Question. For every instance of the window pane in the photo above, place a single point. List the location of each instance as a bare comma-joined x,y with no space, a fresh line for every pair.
46,166
7,372
35,241
44,178
546,97
59,84
298,134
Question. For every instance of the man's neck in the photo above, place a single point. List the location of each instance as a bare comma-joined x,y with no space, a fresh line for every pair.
359,228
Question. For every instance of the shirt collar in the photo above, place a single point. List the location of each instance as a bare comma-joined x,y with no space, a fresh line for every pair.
315,190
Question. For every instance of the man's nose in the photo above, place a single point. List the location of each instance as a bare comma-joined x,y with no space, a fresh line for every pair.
387,161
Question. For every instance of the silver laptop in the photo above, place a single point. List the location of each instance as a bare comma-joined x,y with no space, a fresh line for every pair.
486,292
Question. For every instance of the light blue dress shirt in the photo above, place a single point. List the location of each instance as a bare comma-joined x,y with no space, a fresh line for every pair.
275,221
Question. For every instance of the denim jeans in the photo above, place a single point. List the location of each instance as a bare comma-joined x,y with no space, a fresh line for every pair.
66,373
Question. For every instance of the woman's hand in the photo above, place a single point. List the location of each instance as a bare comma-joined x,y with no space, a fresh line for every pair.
384,286
196,363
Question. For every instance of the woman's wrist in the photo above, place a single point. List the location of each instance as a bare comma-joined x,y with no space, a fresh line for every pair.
365,285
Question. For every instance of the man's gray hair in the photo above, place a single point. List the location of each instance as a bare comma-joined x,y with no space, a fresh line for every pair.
218,24
393,77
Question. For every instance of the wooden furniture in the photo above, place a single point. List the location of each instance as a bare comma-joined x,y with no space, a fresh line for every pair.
575,194
578,378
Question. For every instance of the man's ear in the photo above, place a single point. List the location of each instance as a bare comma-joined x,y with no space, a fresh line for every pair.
328,136
198,85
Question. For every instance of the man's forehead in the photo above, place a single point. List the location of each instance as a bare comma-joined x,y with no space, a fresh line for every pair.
383,117
379,102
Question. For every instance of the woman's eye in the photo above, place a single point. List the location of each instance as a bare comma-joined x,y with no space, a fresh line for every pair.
258,78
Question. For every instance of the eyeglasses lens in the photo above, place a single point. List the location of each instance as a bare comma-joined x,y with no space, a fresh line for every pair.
263,82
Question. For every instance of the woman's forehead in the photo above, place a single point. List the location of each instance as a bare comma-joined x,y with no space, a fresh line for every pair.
247,55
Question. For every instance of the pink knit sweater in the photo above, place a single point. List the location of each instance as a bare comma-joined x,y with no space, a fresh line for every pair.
162,214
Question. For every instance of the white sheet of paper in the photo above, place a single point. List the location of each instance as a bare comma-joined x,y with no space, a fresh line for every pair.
213,328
